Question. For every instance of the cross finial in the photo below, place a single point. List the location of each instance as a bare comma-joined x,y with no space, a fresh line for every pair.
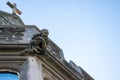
14,8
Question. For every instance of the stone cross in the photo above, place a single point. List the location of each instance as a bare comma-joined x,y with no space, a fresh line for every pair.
14,8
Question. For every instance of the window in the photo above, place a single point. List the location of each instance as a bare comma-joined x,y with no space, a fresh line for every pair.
8,76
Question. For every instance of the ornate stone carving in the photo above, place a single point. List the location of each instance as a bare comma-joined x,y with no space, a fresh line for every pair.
11,32
38,43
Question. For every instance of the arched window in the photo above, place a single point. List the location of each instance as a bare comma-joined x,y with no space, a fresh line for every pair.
8,76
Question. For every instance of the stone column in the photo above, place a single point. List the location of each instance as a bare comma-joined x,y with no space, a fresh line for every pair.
32,70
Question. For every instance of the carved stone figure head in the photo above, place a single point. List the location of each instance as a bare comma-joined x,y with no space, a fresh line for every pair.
44,33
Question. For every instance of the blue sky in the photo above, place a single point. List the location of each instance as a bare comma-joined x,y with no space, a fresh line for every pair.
88,31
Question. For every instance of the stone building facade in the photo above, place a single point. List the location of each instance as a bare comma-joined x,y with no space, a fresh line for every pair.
42,60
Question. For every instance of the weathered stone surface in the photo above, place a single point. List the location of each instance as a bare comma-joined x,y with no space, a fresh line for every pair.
55,50
16,37
38,43
34,69
18,34
9,19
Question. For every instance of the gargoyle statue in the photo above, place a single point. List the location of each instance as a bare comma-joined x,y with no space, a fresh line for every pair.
38,43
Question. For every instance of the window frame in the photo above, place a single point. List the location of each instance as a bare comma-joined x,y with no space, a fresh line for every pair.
14,64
